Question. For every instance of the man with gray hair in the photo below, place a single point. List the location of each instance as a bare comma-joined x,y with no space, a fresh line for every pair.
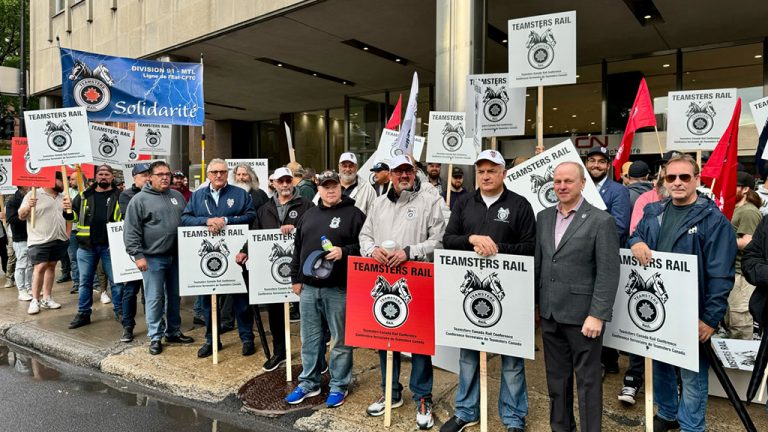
247,180
352,185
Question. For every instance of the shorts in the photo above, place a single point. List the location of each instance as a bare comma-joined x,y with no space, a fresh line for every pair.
52,251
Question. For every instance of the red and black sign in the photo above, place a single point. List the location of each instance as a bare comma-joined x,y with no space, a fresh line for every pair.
24,172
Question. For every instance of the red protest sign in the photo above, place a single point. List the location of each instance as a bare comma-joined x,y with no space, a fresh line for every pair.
86,169
24,174
391,308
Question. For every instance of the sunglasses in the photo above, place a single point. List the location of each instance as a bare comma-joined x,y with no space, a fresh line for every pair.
670,178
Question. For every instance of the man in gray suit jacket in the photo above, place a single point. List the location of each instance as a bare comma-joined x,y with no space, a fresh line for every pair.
577,274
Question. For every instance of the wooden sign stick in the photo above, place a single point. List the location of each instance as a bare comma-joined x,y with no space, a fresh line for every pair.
388,391
448,191
483,391
287,319
215,328
540,118
65,182
648,394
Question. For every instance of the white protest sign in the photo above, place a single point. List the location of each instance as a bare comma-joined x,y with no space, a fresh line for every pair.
445,142
499,109
697,119
127,168
737,353
123,266
207,261
484,303
6,174
534,178
259,166
269,272
759,110
153,138
542,50
110,145
388,149
655,314
58,136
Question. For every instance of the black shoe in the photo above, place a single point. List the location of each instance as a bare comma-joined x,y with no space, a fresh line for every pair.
295,316
80,320
226,329
75,289
456,424
662,425
206,350
198,321
248,349
127,334
274,362
118,316
64,278
179,338
155,347
515,429
612,368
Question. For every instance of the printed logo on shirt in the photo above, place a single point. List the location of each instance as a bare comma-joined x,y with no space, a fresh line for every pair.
410,213
174,201
693,230
293,214
335,222
502,215
230,202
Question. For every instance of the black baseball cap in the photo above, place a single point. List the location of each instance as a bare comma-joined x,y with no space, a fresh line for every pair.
457,172
380,166
598,150
639,169
328,176
140,168
745,179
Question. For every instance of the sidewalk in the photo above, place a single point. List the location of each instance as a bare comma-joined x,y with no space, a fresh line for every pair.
178,371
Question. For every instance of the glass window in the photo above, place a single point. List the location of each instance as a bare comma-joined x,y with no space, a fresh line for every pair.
269,142
336,134
309,139
59,6
366,121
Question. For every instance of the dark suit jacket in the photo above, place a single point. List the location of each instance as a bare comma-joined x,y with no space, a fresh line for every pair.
581,276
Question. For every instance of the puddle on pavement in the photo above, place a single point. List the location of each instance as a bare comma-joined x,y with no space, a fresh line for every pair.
38,369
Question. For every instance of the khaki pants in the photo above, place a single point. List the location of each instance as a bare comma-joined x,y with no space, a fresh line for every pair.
737,317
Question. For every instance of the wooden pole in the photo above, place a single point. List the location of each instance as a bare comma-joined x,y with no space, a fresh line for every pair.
540,117
80,182
287,319
65,182
494,145
698,158
215,328
32,210
483,391
448,191
2,206
648,394
388,391
661,149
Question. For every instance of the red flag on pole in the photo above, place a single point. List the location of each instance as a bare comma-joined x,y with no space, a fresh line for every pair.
394,119
641,116
721,167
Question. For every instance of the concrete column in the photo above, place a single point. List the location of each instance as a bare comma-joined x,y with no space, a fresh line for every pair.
50,102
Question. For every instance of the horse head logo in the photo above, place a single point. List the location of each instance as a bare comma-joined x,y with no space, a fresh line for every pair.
482,298
390,306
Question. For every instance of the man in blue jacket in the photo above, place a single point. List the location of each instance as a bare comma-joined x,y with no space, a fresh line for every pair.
217,205
688,224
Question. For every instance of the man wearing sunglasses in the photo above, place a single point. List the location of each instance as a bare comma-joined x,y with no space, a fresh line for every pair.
693,225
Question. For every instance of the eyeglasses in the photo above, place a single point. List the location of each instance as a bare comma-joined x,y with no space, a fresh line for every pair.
163,174
218,173
598,161
685,178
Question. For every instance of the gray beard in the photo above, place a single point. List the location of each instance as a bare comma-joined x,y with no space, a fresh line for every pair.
244,186
348,178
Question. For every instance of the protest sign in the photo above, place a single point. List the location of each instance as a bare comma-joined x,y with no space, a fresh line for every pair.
123,266
391,308
269,266
542,50
534,178
386,150
58,136
153,138
759,110
697,119
24,172
445,142
653,315
110,145
737,353
207,261
259,166
484,303
497,109
6,176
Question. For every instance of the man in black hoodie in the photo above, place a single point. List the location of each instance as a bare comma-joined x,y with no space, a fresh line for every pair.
319,277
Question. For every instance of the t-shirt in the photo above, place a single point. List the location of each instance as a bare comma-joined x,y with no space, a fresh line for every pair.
745,220
100,217
49,219
671,221
489,200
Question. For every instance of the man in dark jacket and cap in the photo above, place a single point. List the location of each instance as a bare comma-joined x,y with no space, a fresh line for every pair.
637,181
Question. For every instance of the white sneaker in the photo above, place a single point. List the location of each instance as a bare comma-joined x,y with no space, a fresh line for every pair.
49,303
9,283
24,296
105,298
34,307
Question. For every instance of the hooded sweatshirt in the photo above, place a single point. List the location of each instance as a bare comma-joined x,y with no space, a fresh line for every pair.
151,221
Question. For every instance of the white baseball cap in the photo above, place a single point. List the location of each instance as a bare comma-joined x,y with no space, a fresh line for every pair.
491,155
280,173
348,157
399,160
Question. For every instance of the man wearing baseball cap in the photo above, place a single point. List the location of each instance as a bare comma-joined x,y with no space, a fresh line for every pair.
457,186
637,181
413,219
352,185
491,220
380,181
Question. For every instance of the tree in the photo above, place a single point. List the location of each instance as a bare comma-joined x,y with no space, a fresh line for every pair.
10,37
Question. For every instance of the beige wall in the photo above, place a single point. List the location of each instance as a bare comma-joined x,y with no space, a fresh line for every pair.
134,28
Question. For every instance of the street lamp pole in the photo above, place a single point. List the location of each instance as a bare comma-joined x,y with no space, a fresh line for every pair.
22,68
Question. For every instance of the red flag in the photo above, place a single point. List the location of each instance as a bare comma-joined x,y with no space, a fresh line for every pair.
394,119
721,167
641,116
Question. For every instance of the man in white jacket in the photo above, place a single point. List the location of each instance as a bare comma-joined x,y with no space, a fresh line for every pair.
352,185
413,219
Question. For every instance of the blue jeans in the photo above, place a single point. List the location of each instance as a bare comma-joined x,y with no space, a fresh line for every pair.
690,408
161,294
316,303
199,308
24,267
72,252
87,260
421,375
513,395
243,315
128,292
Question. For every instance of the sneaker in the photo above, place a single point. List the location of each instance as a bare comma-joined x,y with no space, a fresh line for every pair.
34,307
24,296
627,395
49,303
298,395
456,424
424,418
75,289
273,363
105,298
325,369
9,283
663,425
377,408
335,399
127,335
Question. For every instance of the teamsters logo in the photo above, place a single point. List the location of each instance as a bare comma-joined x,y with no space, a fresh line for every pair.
153,137
701,118
646,301
59,136
541,50
544,187
213,261
92,86
453,136
108,145
390,307
30,168
3,174
482,299
495,107
281,263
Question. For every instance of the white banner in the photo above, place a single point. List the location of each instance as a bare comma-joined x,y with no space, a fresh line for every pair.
542,50
6,174
534,178
737,353
259,166
110,145
500,110
759,110
388,149
656,310
697,119
445,142
484,303
269,259
123,266
58,136
207,261
153,138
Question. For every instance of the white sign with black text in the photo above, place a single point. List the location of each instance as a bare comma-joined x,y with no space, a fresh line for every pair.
542,50
6,171
58,137
110,145
759,110
153,138
123,266
498,109
207,261
269,266
127,168
445,142
259,166
697,119
737,353
388,149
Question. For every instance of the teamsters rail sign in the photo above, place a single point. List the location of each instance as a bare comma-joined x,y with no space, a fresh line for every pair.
698,118
542,50
209,260
131,90
269,266
58,136
498,109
